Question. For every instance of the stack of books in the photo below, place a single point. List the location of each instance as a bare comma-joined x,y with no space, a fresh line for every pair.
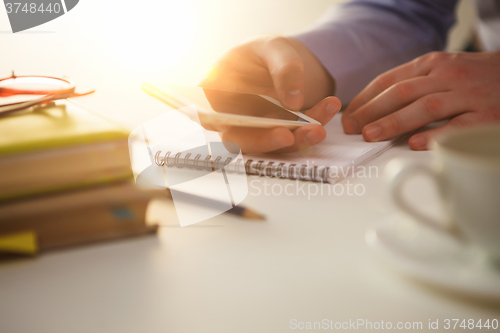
65,179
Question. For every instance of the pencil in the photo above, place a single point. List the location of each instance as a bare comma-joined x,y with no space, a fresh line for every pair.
246,213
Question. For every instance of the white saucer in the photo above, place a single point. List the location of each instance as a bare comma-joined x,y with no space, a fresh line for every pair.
436,258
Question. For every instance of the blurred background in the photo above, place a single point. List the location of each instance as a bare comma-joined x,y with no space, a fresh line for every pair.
114,46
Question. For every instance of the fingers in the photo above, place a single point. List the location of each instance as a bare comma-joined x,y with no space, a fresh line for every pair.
379,84
280,139
325,110
391,100
287,70
420,113
418,67
305,137
240,70
422,140
259,140
312,134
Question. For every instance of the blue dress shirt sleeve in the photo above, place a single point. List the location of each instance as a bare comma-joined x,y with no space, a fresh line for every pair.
361,39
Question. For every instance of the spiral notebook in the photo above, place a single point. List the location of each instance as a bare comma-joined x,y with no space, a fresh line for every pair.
338,157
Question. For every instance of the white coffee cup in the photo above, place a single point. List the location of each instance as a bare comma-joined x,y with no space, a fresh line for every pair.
467,175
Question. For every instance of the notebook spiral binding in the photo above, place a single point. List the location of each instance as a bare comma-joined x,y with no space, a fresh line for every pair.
250,167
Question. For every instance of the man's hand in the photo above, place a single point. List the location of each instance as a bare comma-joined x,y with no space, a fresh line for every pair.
286,70
461,87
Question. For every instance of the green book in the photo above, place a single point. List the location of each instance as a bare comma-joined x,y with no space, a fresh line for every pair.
57,147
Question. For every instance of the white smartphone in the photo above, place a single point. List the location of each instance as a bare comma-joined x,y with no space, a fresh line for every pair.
218,107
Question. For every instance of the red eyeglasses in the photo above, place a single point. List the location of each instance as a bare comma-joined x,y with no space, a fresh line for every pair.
20,92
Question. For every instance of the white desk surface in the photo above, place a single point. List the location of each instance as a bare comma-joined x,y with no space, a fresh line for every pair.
308,261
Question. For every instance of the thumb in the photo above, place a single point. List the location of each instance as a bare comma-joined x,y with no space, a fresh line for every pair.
286,68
